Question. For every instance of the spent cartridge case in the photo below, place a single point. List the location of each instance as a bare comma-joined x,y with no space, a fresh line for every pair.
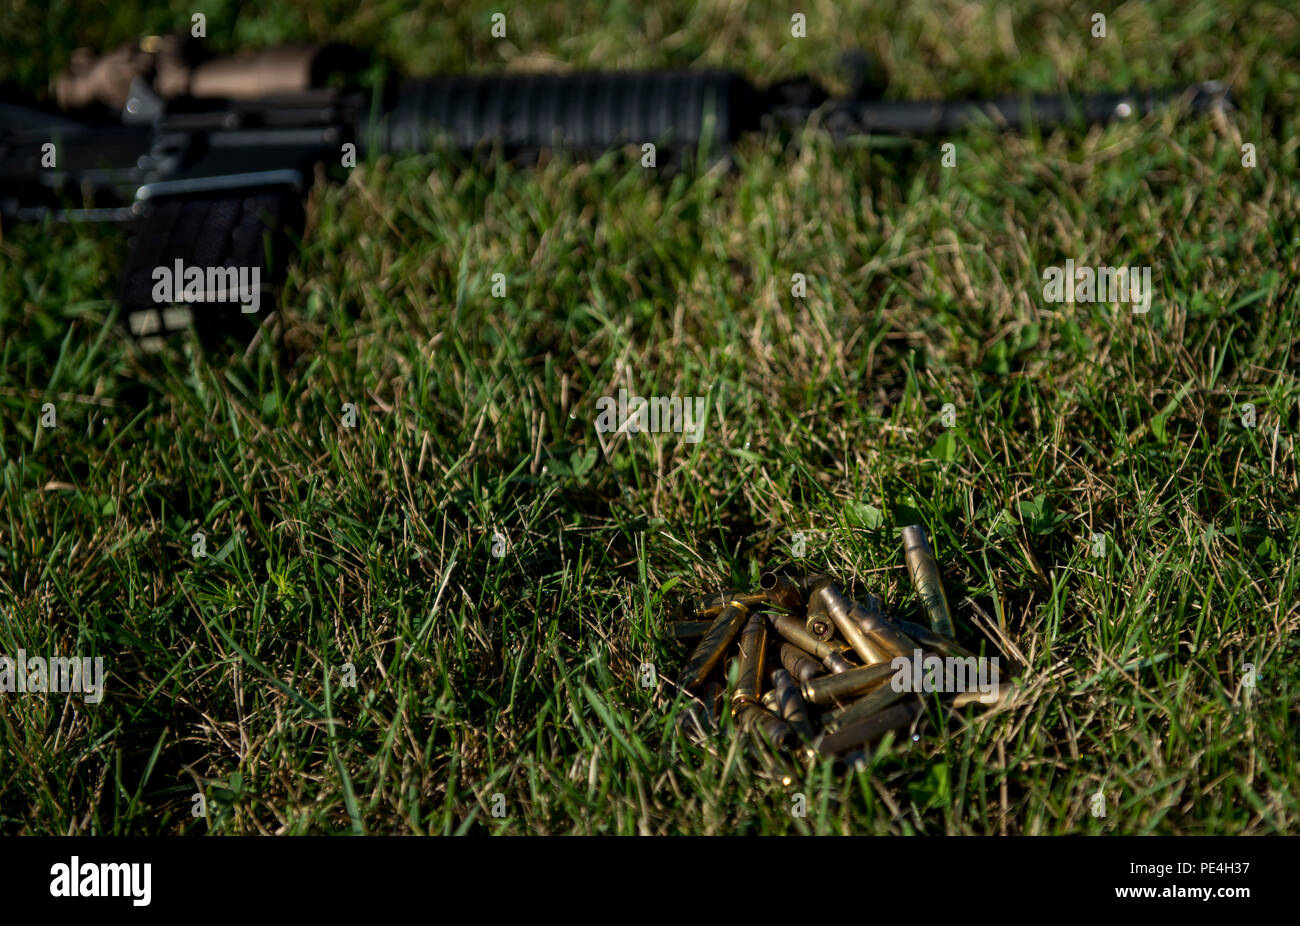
753,645
752,717
830,688
687,630
871,635
882,633
932,641
790,706
837,663
819,625
799,664
781,590
856,735
770,702
713,645
877,653
927,581
791,629
710,606
871,612
824,595
872,703
1001,696
872,620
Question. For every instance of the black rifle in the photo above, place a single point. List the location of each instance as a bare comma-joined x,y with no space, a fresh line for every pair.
209,160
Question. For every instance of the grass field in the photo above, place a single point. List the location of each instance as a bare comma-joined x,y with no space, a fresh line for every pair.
519,675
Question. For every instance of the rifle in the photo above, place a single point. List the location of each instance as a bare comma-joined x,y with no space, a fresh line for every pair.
208,159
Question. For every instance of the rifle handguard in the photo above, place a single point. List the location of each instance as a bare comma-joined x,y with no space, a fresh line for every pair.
572,111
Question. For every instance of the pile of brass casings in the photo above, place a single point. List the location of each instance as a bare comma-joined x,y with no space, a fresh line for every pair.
814,667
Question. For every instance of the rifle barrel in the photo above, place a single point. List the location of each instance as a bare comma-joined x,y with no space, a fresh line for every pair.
941,117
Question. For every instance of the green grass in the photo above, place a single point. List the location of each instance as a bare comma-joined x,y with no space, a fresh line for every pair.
519,675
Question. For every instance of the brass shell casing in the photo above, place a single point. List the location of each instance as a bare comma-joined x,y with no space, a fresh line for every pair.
781,590
791,629
753,645
927,581
859,734
713,646
753,717
866,706
799,664
837,663
932,641
790,706
687,630
710,606
872,637
830,688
